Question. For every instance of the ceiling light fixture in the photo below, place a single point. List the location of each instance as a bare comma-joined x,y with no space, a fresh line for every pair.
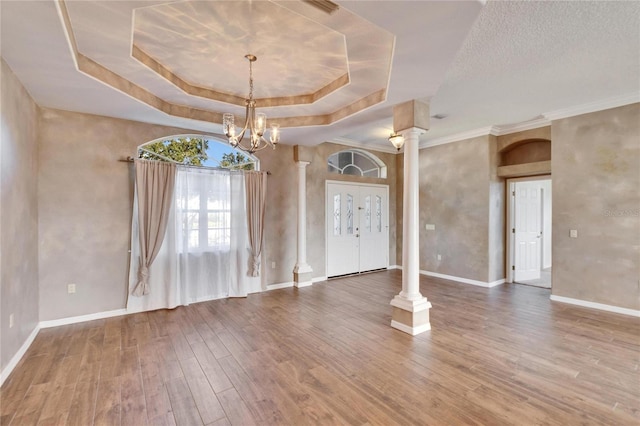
397,140
256,123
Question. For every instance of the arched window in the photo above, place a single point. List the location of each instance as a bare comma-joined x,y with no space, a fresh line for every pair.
357,162
197,150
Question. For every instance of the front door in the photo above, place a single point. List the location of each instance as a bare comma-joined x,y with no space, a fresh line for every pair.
528,230
357,228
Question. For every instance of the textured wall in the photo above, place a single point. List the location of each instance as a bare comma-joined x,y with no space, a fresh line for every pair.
18,215
596,190
281,215
85,202
455,196
317,175
497,215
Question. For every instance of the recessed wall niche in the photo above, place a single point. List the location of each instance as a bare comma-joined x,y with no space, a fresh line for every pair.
525,153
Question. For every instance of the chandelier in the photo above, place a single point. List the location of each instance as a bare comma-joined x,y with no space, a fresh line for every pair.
255,123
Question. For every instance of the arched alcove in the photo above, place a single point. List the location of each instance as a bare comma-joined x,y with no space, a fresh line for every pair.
526,151
525,157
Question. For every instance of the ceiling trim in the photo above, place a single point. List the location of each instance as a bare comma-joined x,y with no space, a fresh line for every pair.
105,76
542,121
483,131
618,101
363,145
520,127
203,92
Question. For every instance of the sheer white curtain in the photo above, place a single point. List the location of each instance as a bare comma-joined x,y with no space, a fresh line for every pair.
205,253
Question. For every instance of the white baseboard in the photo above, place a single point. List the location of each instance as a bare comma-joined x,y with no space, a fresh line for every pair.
18,356
394,267
463,280
83,318
318,279
595,305
279,286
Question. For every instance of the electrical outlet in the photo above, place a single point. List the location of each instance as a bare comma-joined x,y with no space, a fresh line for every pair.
430,227
439,257
573,233
10,320
71,288
273,265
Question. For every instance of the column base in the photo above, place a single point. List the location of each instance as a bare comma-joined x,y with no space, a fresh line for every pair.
302,275
410,316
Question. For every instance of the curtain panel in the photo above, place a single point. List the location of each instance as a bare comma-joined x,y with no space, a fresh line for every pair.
155,182
256,189
206,250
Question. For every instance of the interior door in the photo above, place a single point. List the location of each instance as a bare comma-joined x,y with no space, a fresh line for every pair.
528,230
357,228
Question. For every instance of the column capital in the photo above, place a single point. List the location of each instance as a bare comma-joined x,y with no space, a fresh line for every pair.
302,164
412,131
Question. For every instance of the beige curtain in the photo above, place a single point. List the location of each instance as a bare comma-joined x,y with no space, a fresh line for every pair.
256,193
155,181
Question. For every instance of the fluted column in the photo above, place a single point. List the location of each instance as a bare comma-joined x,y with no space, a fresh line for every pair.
302,272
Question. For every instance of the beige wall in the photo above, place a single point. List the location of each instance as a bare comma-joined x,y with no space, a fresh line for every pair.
461,195
85,202
317,175
281,214
18,215
86,199
596,190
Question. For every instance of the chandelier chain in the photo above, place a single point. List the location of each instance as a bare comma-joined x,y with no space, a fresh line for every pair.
250,80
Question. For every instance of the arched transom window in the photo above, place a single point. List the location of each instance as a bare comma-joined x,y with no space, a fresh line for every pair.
197,150
357,162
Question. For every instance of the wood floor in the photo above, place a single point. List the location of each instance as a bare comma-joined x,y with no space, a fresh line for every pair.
326,355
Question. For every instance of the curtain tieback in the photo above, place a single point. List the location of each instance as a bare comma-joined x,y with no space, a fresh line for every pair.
255,266
142,288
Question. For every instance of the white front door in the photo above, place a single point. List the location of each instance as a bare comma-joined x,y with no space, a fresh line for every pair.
357,228
528,230
374,229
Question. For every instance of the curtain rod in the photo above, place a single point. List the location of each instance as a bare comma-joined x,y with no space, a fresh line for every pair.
132,160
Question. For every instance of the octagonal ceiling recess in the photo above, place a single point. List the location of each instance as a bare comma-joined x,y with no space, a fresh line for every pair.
187,58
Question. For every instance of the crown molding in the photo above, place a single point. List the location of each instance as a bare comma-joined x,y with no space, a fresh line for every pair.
542,121
520,127
364,145
618,101
483,131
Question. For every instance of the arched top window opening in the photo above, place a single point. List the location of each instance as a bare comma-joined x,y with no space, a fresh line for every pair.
357,162
199,151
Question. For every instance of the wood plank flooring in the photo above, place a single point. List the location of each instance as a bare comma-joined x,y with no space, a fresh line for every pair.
326,355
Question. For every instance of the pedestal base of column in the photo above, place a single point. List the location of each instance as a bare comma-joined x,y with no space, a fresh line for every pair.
410,316
302,275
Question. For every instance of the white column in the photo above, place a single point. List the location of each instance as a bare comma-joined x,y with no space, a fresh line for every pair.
415,319
302,271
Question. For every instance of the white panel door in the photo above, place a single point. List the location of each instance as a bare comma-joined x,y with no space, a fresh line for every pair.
528,230
357,228
374,229
343,248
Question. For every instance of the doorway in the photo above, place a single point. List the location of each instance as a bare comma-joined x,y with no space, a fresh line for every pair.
357,228
529,231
